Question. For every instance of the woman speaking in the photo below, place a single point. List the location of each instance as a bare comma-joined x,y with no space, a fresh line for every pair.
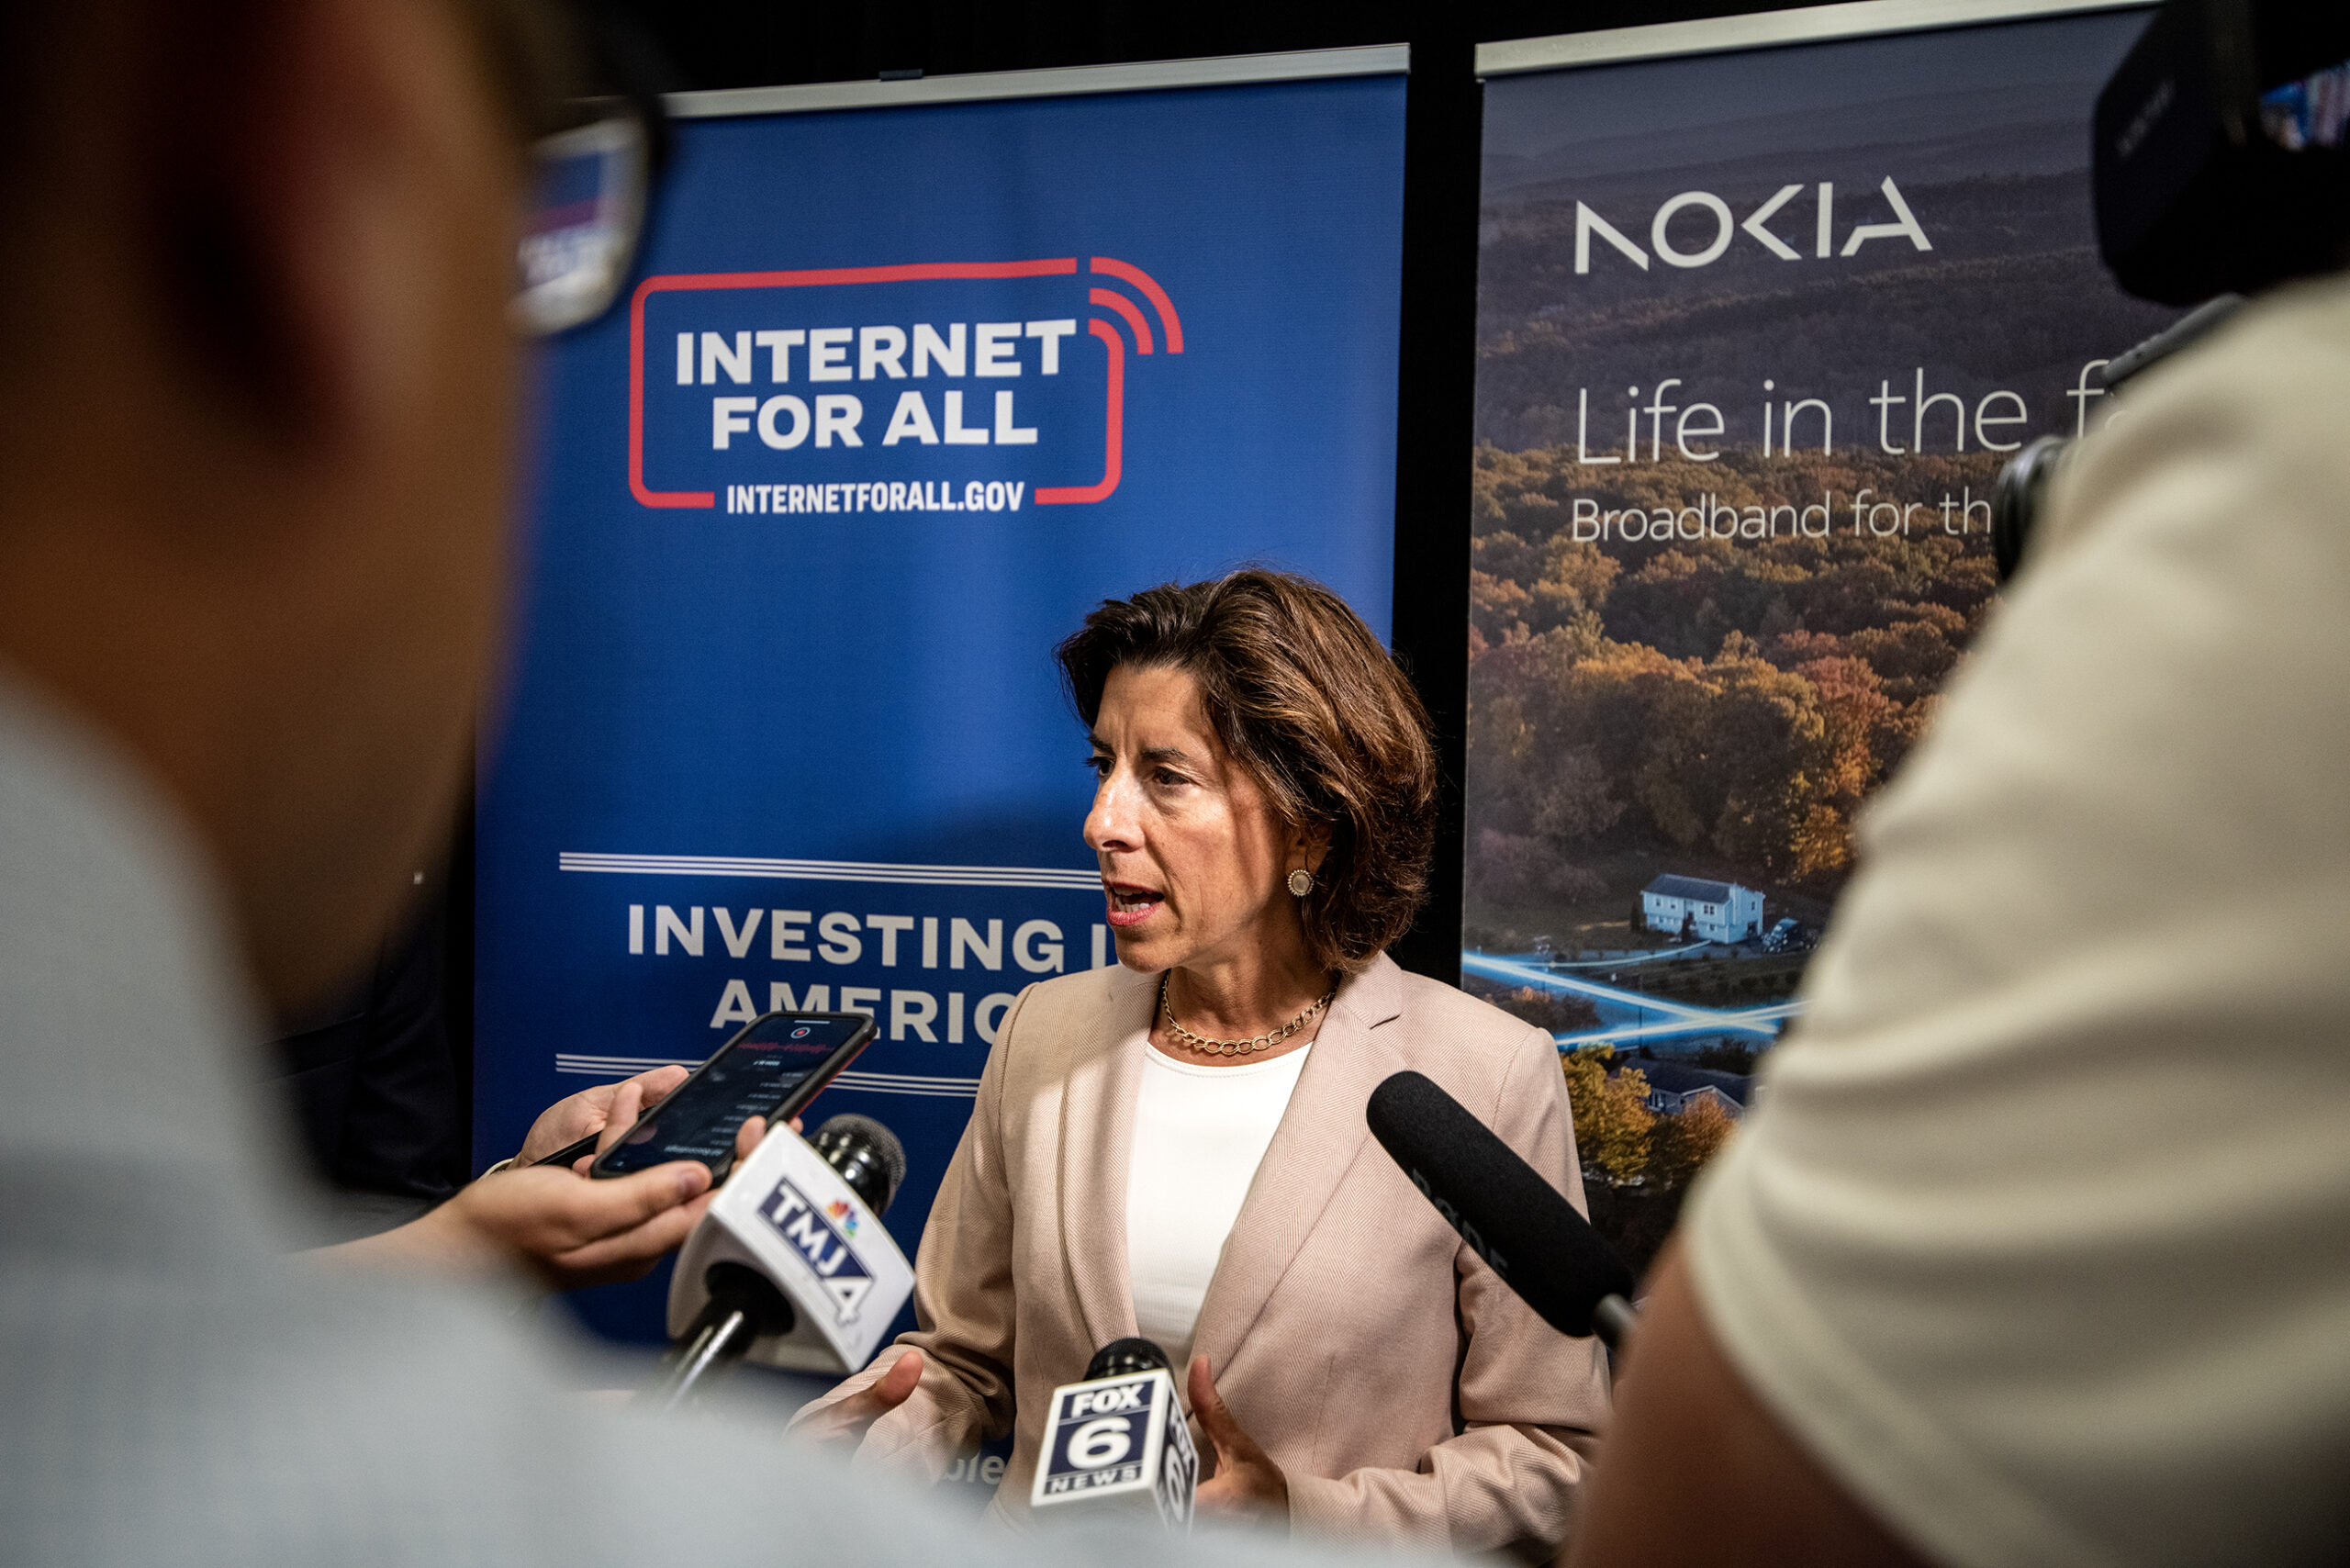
1176,1147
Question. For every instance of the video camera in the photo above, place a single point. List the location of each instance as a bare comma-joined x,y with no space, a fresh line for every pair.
2220,166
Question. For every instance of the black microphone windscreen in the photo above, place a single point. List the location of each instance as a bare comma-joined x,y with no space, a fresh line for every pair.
1501,1205
1119,1357
866,1154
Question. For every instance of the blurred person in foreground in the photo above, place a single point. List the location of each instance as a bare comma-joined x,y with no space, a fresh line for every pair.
2037,1248
256,409
1176,1146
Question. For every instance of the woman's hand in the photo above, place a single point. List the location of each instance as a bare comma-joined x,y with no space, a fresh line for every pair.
849,1420
591,1111
1247,1484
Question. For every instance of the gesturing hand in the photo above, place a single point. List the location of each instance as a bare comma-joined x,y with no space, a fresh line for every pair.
1247,1484
849,1420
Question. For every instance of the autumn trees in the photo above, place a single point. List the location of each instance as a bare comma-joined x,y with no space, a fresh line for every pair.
1617,1134
1612,1116
1733,698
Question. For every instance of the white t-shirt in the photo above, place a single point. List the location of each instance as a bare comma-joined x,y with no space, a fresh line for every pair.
1200,1134
2039,1240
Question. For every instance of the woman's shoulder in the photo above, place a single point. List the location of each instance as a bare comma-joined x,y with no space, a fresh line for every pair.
1431,1003
1473,1039
1080,1008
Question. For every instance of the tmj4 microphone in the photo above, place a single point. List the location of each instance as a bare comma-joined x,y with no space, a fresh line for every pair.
1117,1443
1504,1209
791,1266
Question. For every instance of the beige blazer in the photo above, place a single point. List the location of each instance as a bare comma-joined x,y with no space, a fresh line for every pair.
1404,1389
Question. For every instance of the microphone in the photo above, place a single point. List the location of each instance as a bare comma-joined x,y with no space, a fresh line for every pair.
1504,1209
790,1267
1119,1357
1118,1441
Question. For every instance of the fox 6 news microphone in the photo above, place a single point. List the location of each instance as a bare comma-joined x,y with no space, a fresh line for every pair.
791,1266
1504,1209
1116,1443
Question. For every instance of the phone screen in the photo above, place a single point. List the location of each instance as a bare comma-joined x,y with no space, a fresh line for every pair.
754,1073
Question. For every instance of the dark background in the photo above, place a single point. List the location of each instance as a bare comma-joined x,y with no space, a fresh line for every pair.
741,43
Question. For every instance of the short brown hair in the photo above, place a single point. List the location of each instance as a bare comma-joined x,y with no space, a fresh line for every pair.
1304,696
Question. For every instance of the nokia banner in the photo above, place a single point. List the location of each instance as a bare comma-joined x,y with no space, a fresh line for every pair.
1756,332
900,394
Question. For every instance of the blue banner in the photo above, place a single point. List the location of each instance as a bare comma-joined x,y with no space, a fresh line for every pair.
899,395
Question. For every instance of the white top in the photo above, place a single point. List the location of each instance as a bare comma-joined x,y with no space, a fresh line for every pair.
2040,1238
1200,1134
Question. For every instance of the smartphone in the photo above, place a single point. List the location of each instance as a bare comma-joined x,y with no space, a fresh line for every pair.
772,1068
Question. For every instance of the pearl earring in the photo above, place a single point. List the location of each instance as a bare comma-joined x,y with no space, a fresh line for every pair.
1300,883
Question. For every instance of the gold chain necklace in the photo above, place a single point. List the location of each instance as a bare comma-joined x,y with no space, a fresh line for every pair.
1206,1046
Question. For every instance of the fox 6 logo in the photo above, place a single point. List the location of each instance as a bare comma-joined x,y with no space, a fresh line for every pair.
1098,1436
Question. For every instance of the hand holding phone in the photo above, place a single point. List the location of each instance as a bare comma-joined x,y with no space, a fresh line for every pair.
771,1070
556,1137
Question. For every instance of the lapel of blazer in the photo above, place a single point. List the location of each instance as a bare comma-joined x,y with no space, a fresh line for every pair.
1319,1136
1097,1143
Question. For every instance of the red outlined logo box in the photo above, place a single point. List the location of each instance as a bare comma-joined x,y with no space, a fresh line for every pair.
1113,345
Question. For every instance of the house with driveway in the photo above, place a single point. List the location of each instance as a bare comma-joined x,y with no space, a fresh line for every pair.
1717,911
